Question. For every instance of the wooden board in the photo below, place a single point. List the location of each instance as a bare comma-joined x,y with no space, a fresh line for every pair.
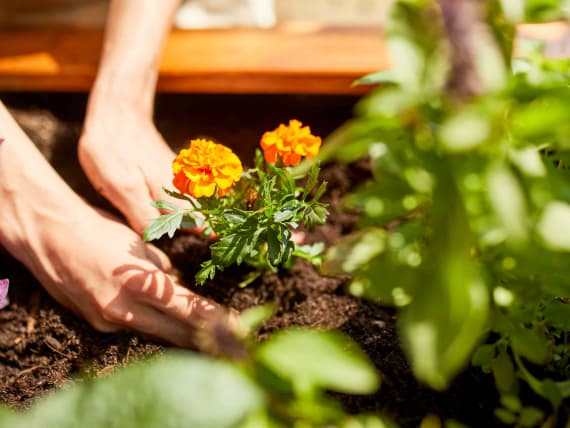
300,60
293,59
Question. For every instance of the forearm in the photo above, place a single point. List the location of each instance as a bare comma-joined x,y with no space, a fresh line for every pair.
135,34
31,193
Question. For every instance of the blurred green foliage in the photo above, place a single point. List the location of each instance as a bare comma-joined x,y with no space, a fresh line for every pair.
465,222
281,384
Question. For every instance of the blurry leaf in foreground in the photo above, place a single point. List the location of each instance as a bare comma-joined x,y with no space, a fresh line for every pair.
313,359
446,318
508,201
464,131
254,317
554,226
354,251
383,76
179,390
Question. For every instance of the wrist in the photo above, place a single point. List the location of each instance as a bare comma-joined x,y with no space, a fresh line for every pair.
121,88
33,198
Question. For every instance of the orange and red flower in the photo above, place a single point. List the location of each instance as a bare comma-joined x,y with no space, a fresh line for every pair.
204,167
290,143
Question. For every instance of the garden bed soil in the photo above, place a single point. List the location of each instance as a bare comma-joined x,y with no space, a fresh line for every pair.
43,346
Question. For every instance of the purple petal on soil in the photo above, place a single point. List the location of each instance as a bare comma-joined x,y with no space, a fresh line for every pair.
4,283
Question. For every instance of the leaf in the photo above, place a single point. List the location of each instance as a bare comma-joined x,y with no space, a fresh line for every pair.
179,390
554,226
284,214
274,249
382,76
557,315
504,373
528,161
532,345
447,316
236,216
230,249
320,192
315,214
252,318
310,250
530,417
354,251
286,182
165,205
511,402
508,201
180,196
514,10
207,272
540,118
505,416
312,178
464,131
165,224
483,357
312,359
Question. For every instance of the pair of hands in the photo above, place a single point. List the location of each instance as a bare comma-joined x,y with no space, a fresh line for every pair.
131,286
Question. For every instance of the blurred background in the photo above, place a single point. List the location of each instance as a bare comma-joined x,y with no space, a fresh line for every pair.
203,13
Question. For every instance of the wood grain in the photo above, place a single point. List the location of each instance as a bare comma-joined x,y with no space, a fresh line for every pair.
307,60
303,58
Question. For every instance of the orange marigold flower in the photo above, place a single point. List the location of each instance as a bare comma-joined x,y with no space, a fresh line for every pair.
205,166
290,143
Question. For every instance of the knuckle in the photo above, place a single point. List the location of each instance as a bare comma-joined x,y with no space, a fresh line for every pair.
103,326
116,315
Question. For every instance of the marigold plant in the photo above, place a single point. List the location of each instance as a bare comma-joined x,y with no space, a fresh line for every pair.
204,167
251,212
290,143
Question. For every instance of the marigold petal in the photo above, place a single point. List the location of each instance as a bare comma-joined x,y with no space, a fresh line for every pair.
201,189
291,159
180,182
289,142
270,154
198,167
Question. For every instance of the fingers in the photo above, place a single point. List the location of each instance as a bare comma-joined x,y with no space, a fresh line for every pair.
150,321
192,320
158,257
123,185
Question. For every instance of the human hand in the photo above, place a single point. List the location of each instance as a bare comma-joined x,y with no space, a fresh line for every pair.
88,261
106,274
125,158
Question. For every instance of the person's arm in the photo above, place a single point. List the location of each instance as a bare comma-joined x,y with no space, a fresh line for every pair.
88,261
121,151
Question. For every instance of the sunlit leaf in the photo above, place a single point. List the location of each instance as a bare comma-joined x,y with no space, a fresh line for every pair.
554,226
313,359
179,390
464,131
166,224
508,201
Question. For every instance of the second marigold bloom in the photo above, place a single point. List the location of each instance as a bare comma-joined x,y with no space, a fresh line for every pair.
205,166
290,143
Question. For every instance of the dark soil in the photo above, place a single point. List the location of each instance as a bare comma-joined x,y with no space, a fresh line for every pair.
43,346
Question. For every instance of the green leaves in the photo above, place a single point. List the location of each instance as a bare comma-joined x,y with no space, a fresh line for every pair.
464,131
178,390
165,224
253,221
312,360
554,226
446,318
